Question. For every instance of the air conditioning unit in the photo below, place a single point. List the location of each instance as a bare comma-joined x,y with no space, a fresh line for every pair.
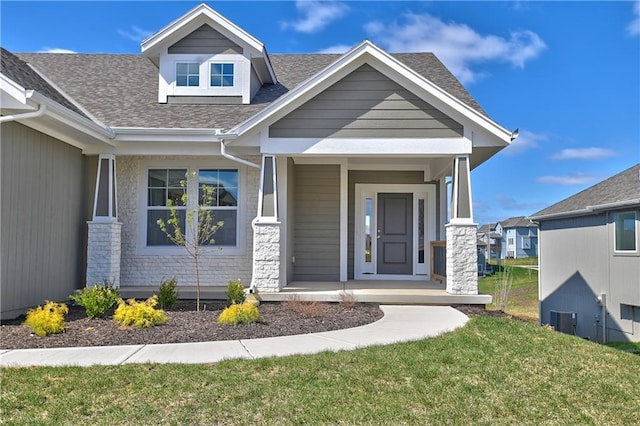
564,322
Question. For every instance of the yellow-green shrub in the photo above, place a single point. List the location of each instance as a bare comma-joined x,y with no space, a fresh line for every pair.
244,313
47,319
139,314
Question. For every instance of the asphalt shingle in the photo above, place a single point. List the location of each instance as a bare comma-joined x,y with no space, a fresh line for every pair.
122,90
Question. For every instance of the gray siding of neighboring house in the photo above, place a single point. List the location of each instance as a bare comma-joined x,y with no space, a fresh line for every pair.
205,40
366,104
43,219
317,223
577,264
371,176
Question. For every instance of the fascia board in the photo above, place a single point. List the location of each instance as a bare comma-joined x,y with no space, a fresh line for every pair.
393,67
588,210
368,147
141,134
13,89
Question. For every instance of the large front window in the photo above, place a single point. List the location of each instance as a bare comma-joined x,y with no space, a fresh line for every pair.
625,231
217,190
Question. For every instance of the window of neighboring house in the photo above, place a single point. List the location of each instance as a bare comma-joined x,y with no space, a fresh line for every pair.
187,74
221,75
223,202
510,241
163,185
625,231
526,243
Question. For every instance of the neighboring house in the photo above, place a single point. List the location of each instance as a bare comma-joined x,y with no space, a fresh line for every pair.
519,238
590,259
492,240
311,154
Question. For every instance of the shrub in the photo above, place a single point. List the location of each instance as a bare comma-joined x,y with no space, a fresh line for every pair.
139,314
47,319
167,295
235,293
96,300
347,299
308,309
245,313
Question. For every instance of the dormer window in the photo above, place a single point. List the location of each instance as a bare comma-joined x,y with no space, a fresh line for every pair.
221,75
187,74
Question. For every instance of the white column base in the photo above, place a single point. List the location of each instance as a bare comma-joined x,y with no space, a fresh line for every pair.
266,256
462,258
103,253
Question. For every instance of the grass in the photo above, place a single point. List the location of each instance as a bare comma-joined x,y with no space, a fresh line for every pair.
631,347
523,297
492,371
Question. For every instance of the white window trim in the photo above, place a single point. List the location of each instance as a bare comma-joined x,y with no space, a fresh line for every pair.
635,221
241,79
192,166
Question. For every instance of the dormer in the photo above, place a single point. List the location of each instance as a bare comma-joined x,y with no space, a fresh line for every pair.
203,58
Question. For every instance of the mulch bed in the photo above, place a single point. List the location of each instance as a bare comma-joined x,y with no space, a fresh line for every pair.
186,325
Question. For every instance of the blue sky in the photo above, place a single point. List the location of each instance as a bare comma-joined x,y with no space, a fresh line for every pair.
567,74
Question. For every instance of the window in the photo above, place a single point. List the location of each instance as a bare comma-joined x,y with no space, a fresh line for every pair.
221,75
163,185
188,74
224,202
625,231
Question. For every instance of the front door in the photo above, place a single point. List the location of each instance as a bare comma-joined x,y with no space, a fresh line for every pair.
395,233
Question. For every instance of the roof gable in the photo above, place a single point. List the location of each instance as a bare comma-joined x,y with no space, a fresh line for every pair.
192,21
619,190
368,53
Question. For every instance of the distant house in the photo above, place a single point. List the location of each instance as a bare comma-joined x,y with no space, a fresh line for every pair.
492,240
590,260
519,238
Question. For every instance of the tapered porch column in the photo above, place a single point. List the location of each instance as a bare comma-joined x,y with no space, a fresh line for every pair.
266,231
104,233
462,255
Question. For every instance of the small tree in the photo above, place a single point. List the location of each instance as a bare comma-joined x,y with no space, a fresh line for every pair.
200,226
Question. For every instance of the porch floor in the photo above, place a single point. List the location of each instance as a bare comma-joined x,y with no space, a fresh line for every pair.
384,292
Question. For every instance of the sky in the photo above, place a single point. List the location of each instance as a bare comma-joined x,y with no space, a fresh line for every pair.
566,74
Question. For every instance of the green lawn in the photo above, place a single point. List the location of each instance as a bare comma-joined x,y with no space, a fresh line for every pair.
523,298
492,371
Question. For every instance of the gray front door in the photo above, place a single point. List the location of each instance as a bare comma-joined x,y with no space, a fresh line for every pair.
395,233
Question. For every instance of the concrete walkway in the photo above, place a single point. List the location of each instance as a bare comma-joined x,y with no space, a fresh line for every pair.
399,324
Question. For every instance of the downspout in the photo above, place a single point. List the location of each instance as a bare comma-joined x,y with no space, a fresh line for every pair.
41,110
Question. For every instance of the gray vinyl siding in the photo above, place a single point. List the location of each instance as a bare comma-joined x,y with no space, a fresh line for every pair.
205,40
372,176
317,223
366,104
577,264
43,219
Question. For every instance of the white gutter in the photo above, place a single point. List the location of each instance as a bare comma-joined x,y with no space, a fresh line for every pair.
587,210
223,152
40,111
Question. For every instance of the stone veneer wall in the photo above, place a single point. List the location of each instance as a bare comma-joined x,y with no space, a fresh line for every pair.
148,270
103,253
266,273
462,268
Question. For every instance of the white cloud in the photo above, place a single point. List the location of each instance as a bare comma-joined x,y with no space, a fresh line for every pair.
583,154
527,140
316,15
55,50
571,179
457,45
136,34
633,29
339,48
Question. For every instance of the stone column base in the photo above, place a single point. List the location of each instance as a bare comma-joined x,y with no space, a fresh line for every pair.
103,253
266,256
462,258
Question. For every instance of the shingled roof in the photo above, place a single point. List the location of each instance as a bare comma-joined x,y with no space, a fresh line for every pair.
122,90
621,188
20,72
517,222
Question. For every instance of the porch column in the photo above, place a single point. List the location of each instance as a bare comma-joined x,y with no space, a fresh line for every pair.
266,231
104,233
462,255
